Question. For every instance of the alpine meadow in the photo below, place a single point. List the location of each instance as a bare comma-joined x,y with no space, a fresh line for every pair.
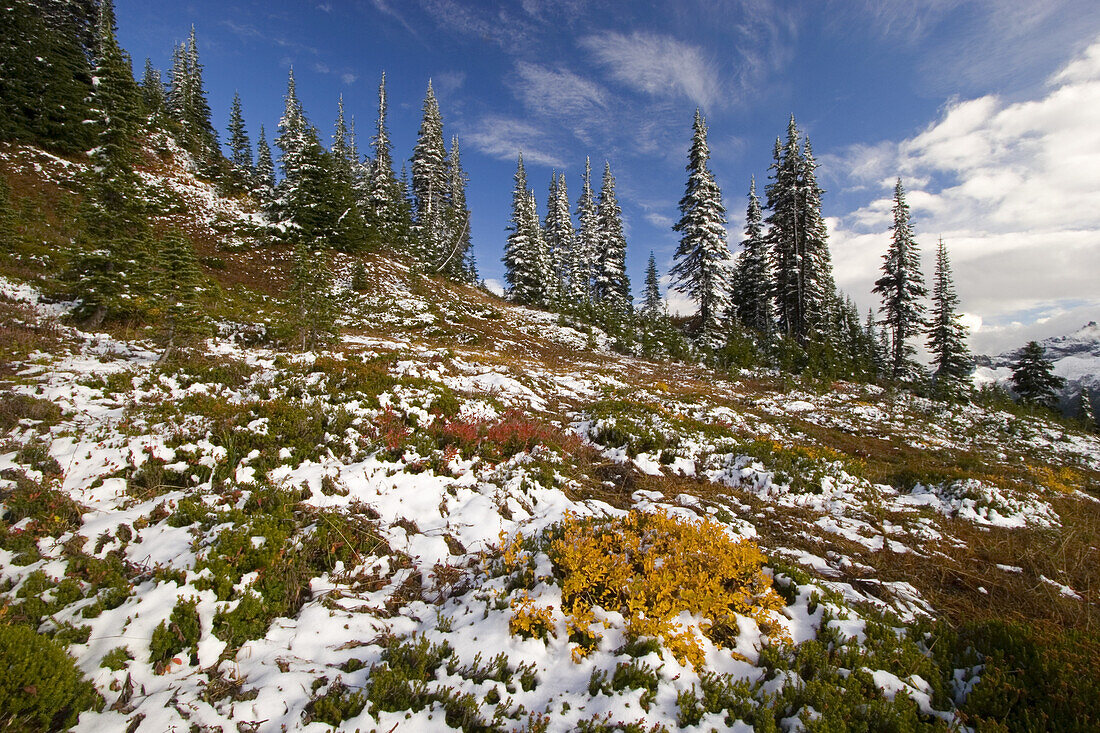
549,366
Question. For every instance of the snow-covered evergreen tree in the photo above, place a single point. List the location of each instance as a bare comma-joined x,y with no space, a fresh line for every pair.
703,264
116,98
264,181
652,304
385,199
946,333
429,182
526,259
902,288
312,202
456,262
560,236
1086,414
822,304
611,283
240,147
752,281
803,288
587,241
46,54
152,90
1033,377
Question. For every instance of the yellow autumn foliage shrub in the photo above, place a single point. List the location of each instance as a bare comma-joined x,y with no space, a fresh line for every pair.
651,568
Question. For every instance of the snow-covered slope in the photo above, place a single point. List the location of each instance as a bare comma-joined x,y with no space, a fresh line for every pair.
377,536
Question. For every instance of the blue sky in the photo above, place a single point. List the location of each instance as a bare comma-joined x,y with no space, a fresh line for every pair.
988,109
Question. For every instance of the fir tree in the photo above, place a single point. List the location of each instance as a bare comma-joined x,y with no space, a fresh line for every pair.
822,304
311,203
240,147
152,91
526,259
179,289
752,281
902,287
1086,415
587,242
612,285
559,235
456,262
652,304
343,145
116,97
803,287
429,180
385,199
197,112
946,334
702,267
311,293
1033,377
265,170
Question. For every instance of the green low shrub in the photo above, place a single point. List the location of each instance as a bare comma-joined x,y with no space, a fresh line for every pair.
41,687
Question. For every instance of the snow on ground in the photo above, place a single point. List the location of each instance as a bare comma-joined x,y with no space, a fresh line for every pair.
165,474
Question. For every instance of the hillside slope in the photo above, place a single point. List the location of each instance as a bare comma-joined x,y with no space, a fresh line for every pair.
470,514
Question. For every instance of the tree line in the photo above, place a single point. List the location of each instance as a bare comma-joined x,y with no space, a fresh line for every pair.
773,304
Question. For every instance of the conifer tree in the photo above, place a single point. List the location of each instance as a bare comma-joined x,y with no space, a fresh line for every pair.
526,259
385,197
803,287
652,304
46,74
946,334
178,290
343,146
240,147
311,293
1086,415
116,97
113,270
429,181
902,287
822,304
559,235
456,262
310,203
587,242
152,91
703,263
1033,377
612,285
265,170
752,281
197,113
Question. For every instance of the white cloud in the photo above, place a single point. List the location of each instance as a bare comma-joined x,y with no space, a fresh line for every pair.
1014,190
505,137
656,65
558,92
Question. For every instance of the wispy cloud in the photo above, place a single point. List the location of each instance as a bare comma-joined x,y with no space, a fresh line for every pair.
1012,187
656,65
384,7
505,137
580,104
509,30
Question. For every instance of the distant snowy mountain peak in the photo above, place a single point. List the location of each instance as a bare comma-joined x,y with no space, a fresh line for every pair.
1076,358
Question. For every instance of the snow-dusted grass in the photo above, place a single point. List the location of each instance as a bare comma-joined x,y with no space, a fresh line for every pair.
248,536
